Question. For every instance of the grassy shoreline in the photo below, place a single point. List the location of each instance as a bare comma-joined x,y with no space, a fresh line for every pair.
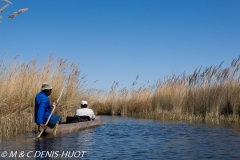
211,95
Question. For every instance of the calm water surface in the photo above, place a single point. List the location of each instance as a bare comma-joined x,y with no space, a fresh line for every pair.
129,138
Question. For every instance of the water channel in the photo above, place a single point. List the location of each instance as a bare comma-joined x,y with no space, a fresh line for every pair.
130,138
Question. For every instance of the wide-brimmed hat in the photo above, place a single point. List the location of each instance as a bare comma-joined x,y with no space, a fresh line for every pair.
84,102
46,85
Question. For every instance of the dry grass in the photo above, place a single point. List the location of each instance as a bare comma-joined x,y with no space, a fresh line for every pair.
7,1
211,95
20,82
3,8
14,14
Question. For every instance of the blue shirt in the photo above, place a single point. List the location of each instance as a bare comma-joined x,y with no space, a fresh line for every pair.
42,108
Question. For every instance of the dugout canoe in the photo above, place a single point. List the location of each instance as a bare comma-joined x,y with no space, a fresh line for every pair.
65,128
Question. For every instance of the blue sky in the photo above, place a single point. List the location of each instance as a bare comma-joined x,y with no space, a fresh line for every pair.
115,40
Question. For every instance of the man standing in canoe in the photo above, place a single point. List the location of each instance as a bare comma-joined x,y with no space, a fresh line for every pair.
85,114
43,108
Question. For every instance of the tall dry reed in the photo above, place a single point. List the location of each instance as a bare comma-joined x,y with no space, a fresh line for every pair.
14,14
125,101
21,81
211,94
3,8
7,1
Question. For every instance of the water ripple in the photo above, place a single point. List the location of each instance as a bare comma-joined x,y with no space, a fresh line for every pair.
129,138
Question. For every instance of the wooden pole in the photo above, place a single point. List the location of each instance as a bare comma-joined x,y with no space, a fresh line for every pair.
50,114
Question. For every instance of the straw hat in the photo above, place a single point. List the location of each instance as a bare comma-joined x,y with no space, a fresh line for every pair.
46,85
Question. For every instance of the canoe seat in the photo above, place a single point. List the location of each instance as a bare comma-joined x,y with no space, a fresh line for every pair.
77,119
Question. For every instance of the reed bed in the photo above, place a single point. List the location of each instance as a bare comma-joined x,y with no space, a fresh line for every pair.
208,95
20,82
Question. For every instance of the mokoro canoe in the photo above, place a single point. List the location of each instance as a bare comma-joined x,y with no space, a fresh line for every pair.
72,127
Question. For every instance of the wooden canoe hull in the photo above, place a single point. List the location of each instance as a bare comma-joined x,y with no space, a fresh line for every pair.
73,127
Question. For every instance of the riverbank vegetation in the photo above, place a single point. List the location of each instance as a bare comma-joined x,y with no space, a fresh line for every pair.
209,95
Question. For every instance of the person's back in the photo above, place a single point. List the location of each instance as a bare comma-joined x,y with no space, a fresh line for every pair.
84,111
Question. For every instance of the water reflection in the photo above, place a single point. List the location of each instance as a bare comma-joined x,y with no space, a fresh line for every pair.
44,149
129,138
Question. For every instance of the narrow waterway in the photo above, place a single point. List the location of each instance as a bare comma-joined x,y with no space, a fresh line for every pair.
130,138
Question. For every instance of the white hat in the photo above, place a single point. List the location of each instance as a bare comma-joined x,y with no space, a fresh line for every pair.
46,85
84,102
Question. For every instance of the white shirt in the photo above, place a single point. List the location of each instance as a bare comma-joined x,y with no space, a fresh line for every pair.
85,112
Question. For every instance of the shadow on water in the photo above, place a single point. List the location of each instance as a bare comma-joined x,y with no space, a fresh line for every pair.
130,138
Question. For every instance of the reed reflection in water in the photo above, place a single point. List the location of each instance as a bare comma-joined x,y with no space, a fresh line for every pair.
129,138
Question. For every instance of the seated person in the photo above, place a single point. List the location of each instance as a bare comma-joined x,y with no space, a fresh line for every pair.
43,108
84,113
